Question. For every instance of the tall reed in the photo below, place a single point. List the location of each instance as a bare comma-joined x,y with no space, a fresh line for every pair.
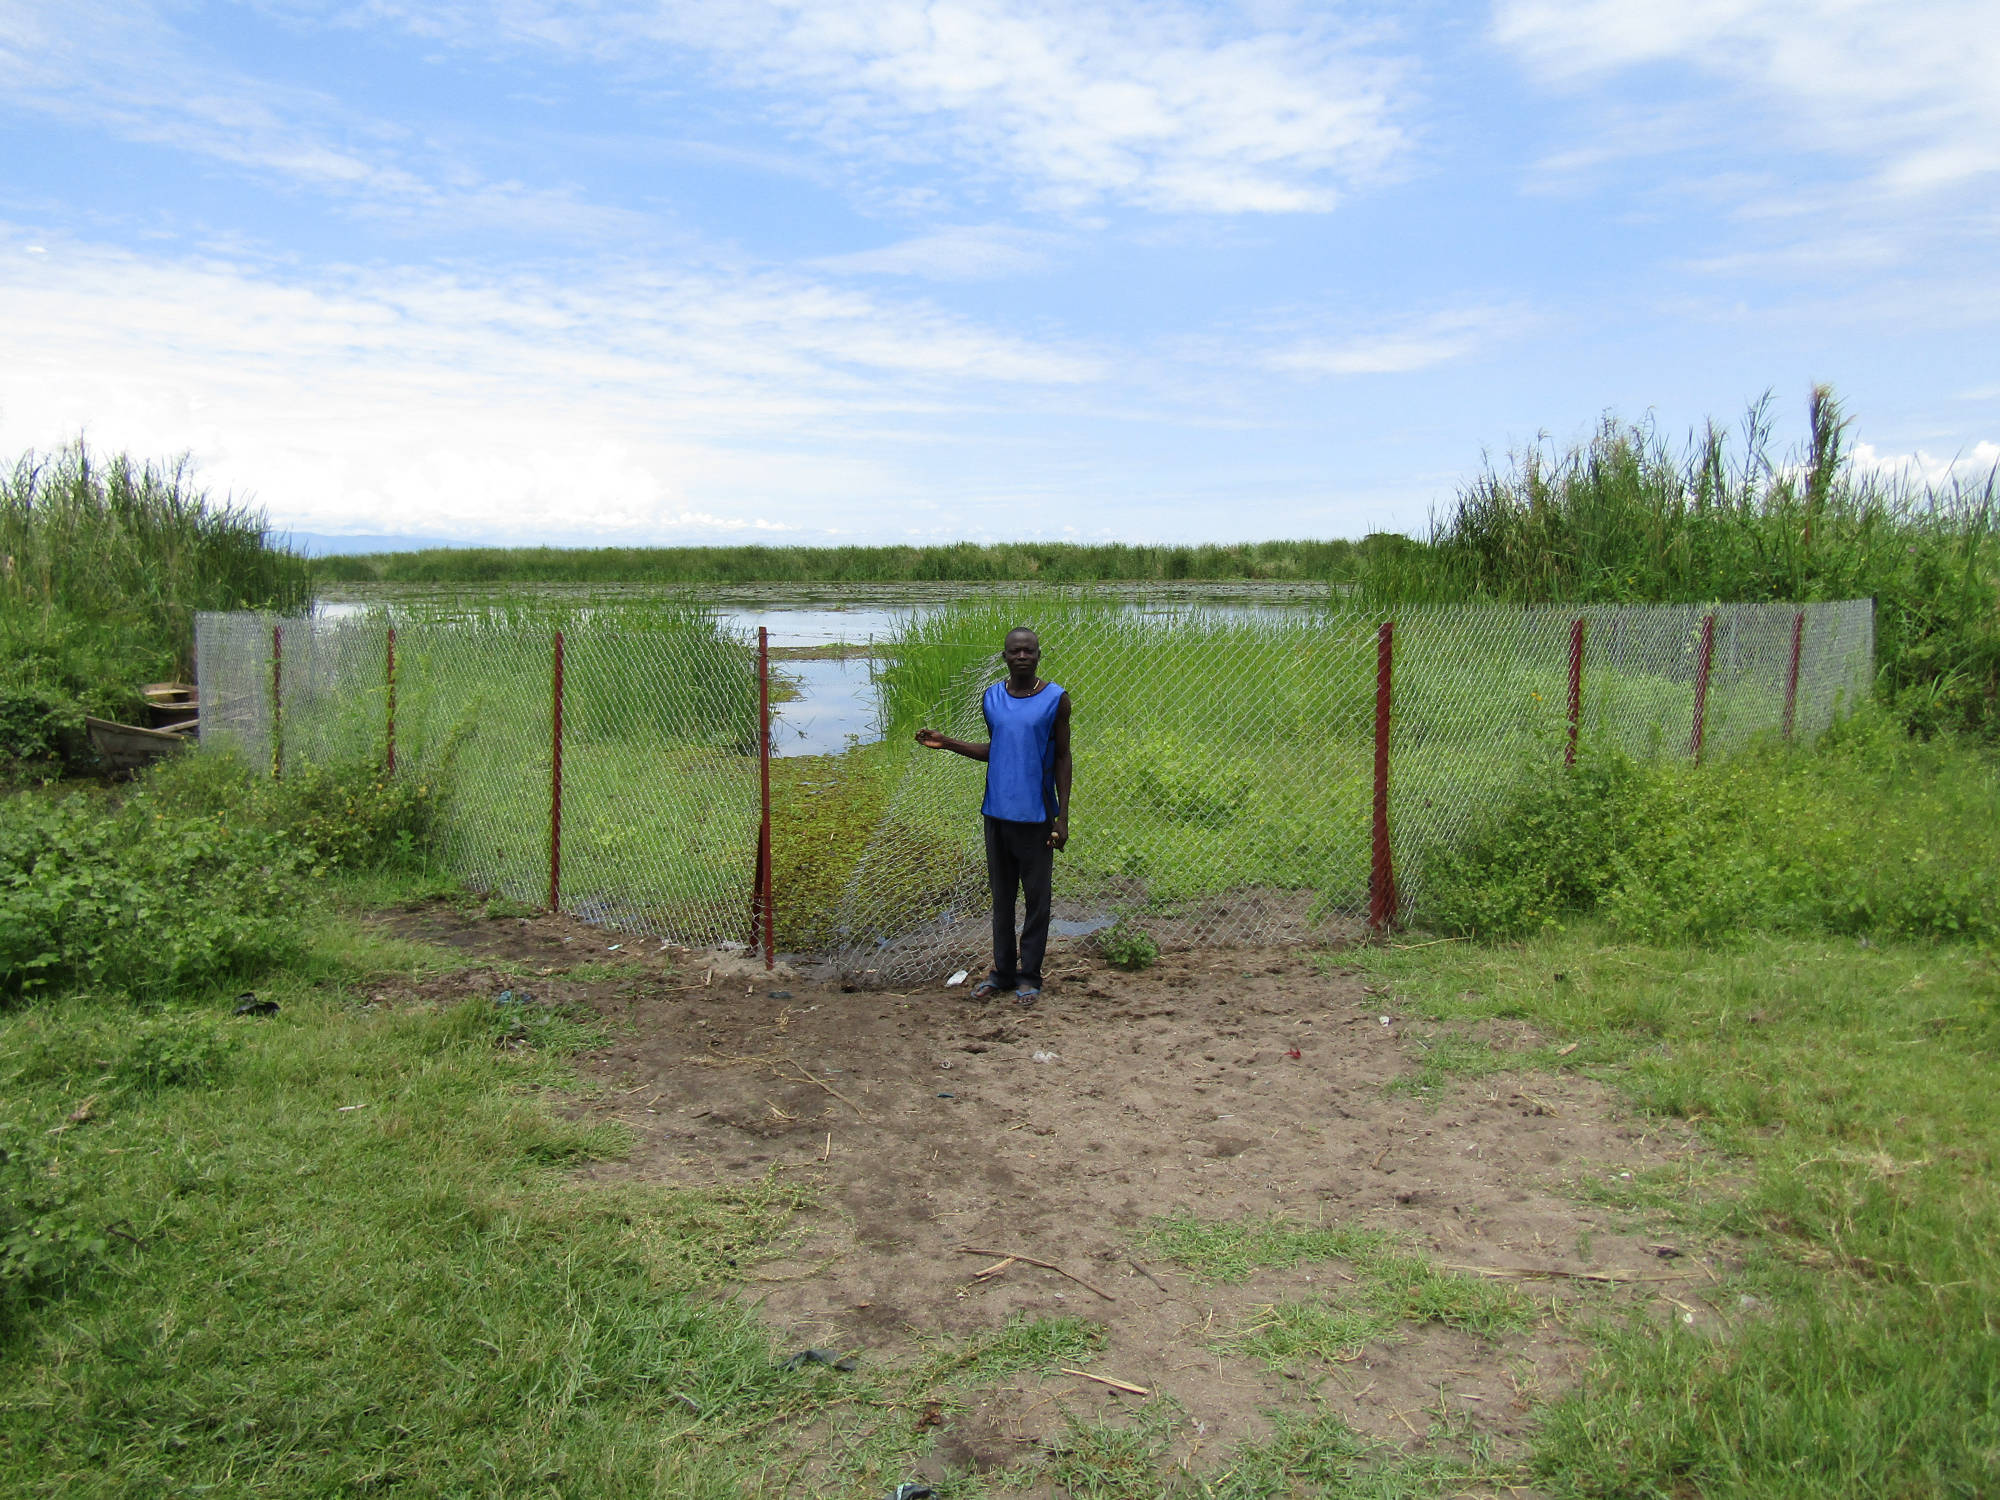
131,544
103,564
1627,517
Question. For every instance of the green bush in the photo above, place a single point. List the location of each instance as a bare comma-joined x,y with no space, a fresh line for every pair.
1128,947
339,817
129,898
1873,833
1186,783
353,817
41,728
55,667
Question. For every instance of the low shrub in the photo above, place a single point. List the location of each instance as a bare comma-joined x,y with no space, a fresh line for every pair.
334,817
1128,946
128,898
195,877
1872,833
1184,782
55,667
41,729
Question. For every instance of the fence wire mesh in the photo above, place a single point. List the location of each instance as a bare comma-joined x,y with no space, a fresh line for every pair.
1225,765
659,800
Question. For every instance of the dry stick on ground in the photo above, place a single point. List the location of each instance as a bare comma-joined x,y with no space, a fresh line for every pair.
1144,1272
1046,1265
1612,1277
806,1077
1116,1385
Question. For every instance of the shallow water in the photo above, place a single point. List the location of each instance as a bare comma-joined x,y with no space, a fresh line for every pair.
835,709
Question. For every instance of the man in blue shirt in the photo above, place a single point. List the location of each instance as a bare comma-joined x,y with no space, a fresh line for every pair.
1026,809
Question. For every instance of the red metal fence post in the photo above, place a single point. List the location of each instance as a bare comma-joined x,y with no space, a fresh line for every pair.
389,752
1575,689
1381,869
1792,672
1701,670
764,775
555,780
277,703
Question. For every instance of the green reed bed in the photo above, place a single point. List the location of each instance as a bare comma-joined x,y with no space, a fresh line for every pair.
954,562
103,562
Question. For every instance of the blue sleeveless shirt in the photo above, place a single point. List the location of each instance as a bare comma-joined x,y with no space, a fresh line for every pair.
1021,766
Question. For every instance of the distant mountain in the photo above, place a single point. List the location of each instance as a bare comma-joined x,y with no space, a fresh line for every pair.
322,544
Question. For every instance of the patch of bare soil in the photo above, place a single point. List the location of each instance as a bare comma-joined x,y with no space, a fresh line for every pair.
1230,1085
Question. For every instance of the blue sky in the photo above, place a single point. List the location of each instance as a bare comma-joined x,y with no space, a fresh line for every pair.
874,270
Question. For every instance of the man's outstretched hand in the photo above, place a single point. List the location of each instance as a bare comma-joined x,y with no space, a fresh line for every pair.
930,739
1059,833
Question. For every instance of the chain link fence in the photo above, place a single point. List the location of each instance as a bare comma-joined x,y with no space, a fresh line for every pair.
1226,772
640,813
1237,779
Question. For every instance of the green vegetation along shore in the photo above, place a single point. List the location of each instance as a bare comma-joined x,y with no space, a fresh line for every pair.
103,564
948,562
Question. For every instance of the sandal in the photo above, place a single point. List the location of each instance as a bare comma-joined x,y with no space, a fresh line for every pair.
986,989
1026,998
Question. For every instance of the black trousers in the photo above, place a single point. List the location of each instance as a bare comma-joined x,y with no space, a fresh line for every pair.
1018,857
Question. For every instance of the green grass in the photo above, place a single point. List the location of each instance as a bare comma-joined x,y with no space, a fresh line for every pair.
1383,1287
1855,1086
1306,1455
408,1293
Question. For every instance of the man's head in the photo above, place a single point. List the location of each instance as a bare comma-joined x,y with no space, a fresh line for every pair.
1022,651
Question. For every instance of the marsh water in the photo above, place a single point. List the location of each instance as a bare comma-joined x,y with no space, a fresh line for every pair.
828,701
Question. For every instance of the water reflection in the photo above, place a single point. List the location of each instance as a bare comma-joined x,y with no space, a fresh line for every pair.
835,706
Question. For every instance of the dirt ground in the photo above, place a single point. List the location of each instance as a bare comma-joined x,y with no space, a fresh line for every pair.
1228,1084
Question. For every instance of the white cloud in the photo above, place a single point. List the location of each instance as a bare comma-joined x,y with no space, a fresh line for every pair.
1419,344
1973,467
624,400
1148,102
1913,89
971,253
